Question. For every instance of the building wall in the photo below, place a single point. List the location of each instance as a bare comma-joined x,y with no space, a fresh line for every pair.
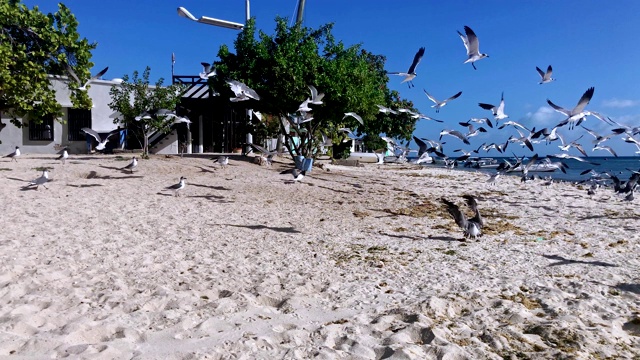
101,120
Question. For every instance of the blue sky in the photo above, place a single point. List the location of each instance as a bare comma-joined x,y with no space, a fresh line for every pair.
588,43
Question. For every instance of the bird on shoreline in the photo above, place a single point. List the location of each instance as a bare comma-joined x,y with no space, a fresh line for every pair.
470,227
14,154
472,44
177,187
132,165
411,73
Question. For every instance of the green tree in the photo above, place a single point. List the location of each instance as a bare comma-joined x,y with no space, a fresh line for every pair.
138,102
280,66
34,46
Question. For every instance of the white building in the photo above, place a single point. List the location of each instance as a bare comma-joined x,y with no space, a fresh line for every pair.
48,136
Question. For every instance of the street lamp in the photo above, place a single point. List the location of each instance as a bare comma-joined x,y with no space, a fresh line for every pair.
209,20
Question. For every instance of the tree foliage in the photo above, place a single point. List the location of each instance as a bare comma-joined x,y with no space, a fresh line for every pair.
136,96
280,66
33,46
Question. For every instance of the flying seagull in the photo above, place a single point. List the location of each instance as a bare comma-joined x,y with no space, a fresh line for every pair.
77,79
470,227
439,104
455,133
386,110
577,114
353,115
242,91
177,187
14,154
545,77
132,165
64,156
472,44
411,73
207,71
498,111
316,97
42,180
101,142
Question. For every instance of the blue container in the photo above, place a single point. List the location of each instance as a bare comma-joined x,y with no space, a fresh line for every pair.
303,164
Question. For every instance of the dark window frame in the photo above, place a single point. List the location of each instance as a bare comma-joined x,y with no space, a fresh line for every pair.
76,120
42,131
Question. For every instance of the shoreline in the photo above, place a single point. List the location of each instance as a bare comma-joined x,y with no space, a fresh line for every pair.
352,262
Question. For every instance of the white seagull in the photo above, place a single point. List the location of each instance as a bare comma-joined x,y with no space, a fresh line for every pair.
222,160
316,97
64,156
132,165
455,133
242,91
498,111
411,73
42,180
76,79
386,110
101,142
353,115
545,77
208,71
577,114
177,187
472,44
14,154
439,104
470,227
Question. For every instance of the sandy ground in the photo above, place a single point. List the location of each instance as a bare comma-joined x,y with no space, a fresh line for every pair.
351,263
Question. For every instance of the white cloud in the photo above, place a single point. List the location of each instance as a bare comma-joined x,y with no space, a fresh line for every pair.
542,117
620,103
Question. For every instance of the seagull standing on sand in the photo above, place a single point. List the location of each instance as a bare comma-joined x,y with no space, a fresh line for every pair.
472,44
411,73
470,227
222,160
132,165
42,180
14,154
439,104
64,156
545,77
177,187
77,79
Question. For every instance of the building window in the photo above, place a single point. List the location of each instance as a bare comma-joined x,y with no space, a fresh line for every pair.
76,120
42,131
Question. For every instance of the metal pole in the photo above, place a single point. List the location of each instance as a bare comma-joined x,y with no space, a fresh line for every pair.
247,11
300,11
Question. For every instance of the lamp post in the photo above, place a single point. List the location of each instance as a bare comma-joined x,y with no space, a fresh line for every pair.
225,24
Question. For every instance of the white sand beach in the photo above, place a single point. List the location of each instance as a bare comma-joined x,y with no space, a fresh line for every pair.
351,263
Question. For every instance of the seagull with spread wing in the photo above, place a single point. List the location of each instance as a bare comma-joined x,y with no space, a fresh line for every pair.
102,142
545,77
472,44
498,111
576,115
242,91
77,79
470,227
411,73
438,104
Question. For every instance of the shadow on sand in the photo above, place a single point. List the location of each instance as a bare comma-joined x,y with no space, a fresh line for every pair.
289,229
564,261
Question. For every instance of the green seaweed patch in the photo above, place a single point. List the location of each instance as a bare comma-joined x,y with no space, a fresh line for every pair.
426,209
500,227
43,168
523,299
